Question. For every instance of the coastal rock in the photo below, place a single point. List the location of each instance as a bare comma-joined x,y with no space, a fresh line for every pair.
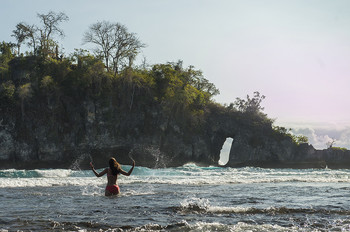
84,134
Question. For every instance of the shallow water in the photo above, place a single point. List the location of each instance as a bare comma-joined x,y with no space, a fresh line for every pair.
187,198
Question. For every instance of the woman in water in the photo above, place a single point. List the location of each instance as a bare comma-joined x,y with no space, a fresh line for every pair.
114,169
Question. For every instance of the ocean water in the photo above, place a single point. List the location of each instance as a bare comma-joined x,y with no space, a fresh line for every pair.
187,198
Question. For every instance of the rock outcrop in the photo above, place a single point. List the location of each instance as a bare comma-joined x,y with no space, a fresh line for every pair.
64,113
90,132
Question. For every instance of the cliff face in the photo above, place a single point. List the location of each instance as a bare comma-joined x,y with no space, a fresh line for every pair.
91,132
79,134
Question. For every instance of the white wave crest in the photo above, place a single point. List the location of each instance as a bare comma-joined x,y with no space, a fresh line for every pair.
51,173
186,175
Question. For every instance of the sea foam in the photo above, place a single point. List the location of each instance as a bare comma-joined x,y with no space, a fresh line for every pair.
186,175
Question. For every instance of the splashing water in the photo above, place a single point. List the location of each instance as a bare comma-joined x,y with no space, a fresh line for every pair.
187,198
194,204
76,165
159,158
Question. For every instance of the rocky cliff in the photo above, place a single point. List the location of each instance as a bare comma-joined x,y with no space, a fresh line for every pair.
58,114
81,133
92,132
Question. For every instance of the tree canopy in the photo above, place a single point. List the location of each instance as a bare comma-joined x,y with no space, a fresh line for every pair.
114,44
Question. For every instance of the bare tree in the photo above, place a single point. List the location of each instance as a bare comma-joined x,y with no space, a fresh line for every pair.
331,143
50,27
114,43
128,47
101,34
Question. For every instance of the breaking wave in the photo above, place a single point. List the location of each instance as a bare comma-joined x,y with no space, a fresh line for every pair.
189,174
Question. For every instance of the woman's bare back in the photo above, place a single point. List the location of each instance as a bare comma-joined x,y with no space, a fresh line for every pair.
111,179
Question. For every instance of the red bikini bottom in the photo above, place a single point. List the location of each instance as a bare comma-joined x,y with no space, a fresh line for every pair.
114,189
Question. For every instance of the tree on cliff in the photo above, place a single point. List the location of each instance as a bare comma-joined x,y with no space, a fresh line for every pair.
43,35
183,93
330,143
20,34
25,32
6,54
115,44
50,27
250,105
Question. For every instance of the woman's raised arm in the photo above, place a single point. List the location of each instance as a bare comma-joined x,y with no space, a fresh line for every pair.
130,171
96,173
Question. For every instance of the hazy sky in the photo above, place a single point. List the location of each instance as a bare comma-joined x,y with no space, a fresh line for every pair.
295,52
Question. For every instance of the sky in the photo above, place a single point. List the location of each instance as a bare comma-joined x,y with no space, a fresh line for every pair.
296,53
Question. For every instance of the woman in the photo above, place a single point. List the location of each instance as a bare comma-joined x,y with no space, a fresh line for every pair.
114,169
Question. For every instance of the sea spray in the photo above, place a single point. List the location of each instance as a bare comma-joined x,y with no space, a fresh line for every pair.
161,160
76,165
92,190
194,205
153,152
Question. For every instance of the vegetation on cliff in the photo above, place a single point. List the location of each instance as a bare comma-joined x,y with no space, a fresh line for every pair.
45,86
44,75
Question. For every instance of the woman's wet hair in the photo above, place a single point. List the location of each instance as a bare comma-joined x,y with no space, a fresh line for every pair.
114,166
